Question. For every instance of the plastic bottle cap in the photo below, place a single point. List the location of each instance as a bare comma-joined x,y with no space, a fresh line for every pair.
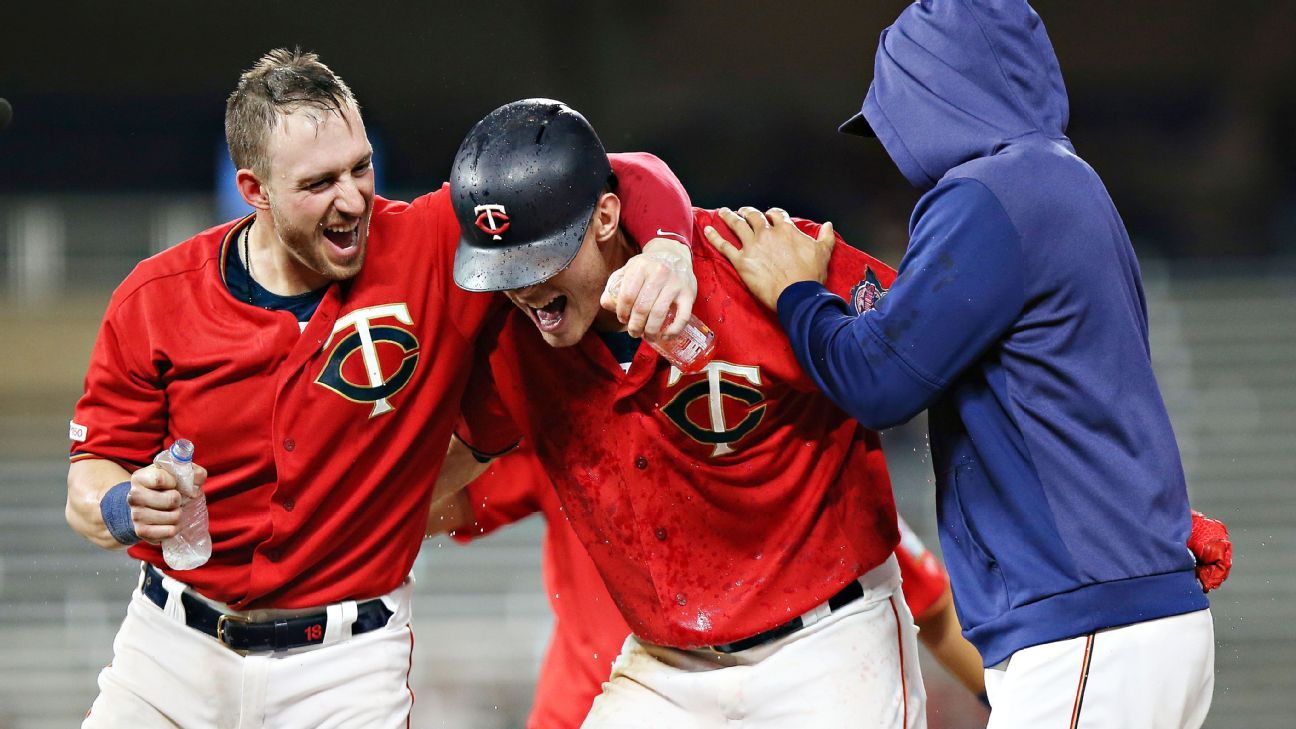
182,450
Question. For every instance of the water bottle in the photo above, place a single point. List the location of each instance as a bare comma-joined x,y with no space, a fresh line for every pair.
191,547
690,350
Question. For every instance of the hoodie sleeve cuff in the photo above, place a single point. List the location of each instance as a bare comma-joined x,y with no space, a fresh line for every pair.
794,298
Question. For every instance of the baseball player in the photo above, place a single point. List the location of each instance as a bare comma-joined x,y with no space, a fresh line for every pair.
589,630
315,352
1018,320
743,525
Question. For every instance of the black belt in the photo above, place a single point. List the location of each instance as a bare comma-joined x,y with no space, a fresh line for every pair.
241,634
850,593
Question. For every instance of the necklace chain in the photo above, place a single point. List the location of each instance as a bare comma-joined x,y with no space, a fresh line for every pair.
247,260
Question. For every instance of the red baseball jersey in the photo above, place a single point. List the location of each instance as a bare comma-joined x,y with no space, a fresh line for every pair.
588,628
716,505
321,444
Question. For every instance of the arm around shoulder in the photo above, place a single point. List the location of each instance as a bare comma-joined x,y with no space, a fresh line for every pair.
657,214
960,287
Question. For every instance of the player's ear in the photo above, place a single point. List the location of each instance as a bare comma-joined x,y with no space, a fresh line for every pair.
607,216
252,190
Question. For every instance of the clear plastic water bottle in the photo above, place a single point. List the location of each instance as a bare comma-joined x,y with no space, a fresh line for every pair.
191,547
691,349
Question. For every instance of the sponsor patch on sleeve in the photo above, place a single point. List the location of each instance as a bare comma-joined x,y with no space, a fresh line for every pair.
76,431
867,293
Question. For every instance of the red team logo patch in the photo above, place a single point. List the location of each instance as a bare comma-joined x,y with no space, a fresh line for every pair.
492,220
867,293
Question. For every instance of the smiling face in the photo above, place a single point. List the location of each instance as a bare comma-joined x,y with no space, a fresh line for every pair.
320,191
565,306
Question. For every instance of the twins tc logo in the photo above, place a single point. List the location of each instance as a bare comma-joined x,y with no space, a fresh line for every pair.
388,356
717,401
492,219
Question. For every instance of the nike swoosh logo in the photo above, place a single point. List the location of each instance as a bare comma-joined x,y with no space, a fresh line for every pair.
661,233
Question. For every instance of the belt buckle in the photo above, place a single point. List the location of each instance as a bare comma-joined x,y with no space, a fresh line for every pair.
220,626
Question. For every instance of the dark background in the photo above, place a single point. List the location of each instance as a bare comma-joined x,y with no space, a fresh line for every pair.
1184,108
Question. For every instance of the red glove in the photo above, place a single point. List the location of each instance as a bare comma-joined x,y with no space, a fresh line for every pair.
1210,544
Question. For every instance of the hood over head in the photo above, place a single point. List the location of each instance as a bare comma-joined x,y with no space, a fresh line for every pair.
955,79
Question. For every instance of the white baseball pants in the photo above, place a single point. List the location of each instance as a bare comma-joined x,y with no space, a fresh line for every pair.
166,674
1158,674
857,666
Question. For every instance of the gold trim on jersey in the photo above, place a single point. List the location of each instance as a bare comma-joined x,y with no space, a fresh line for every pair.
227,243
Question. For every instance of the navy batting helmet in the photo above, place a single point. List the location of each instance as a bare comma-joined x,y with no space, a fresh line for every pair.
524,183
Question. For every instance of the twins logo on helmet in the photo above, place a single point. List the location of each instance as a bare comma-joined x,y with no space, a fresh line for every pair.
492,220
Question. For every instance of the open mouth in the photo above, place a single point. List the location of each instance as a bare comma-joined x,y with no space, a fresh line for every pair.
550,316
344,239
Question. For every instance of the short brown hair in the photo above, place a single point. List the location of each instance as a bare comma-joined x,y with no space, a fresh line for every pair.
282,82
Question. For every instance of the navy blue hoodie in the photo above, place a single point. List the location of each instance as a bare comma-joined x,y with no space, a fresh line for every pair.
1018,320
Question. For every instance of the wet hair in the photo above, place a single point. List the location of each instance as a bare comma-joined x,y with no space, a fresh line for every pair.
281,83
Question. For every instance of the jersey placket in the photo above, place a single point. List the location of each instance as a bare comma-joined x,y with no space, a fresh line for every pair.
647,471
289,461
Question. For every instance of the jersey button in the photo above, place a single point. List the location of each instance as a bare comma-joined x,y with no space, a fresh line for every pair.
641,463
289,444
661,534
680,599
288,504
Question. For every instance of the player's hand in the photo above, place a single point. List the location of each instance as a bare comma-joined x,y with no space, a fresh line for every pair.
649,286
154,499
1210,545
775,254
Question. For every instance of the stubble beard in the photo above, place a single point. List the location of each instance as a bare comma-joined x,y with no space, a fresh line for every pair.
307,247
